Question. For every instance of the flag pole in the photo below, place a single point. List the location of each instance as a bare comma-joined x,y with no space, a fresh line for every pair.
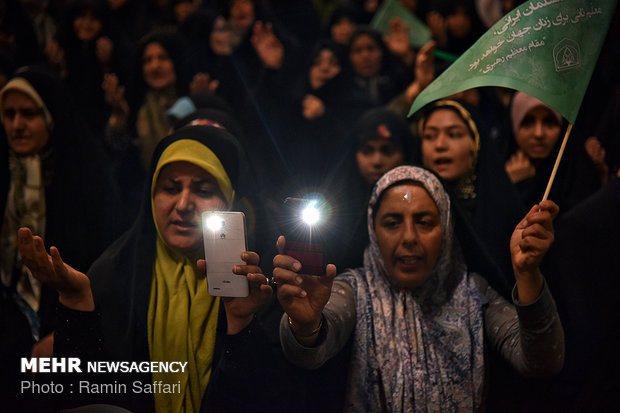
557,162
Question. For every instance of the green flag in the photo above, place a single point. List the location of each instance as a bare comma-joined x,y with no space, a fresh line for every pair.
419,34
547,49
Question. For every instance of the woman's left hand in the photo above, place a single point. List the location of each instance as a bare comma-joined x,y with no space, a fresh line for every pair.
240,310
529,243
269,49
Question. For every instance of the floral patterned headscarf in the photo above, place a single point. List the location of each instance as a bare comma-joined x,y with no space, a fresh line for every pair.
421,349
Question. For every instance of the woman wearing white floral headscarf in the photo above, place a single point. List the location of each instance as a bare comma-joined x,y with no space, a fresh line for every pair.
420,321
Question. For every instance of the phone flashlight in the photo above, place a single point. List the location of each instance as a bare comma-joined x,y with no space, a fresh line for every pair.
302,229
215,222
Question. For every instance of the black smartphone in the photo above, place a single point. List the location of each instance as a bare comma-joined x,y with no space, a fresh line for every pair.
303,223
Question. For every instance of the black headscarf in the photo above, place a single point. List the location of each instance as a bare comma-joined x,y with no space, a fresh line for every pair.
393,75
494,211
121,278
174,45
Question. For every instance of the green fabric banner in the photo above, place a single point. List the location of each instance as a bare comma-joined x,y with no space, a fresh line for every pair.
419,34
547,49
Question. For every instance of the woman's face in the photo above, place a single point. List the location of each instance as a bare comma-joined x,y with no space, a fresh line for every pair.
183,191
242,13
24,124
365,56
408,229
87,26
447,145
324,68
342,30
538,133
459,23
182,9
376,157
157,67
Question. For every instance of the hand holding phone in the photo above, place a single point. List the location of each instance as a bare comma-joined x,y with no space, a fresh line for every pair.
302,230
224,241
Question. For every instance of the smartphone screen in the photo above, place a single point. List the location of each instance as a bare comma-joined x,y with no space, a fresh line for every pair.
224,240
302,230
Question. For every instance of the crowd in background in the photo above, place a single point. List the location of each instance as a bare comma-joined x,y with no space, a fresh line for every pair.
318,100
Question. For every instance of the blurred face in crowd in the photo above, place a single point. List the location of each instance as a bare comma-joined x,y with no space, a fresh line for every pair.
182,9
538,133
366,56
470,96
183,191
342,30
87,26
410,4
447,145
157,67
376,157
459,22
408,229
116,4
242,13
24,124
324,68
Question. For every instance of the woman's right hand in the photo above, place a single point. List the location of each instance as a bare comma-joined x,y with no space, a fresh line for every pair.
114,96
73,286
519,167
302,296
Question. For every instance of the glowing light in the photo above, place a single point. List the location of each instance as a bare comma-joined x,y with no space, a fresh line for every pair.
311,215
215,223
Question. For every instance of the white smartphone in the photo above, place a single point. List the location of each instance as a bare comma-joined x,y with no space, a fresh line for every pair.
225,240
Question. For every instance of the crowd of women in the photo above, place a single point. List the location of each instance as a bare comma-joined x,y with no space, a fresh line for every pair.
446,281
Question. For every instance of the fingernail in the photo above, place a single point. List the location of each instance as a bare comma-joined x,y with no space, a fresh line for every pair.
235,268
298,280
303,293
296,266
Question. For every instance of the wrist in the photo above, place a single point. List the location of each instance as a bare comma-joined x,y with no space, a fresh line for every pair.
530,284
305,330
236,324
81,302
118,121
413,91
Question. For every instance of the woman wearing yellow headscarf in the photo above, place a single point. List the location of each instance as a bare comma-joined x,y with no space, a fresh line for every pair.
146,291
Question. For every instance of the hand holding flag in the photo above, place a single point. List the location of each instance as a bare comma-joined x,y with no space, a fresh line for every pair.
547,49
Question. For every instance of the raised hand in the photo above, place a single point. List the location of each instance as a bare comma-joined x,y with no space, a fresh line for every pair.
438,26
519,167
529,243
269,49
241,310
597,153
114,96
73,286
424,71
202,84
56,56
397,40
312,107
103,49
302,296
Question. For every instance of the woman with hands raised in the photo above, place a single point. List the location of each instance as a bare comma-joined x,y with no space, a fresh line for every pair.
420,321
146,297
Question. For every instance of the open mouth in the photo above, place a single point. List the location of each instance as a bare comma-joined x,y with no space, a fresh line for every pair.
409,263
442,162
184,224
